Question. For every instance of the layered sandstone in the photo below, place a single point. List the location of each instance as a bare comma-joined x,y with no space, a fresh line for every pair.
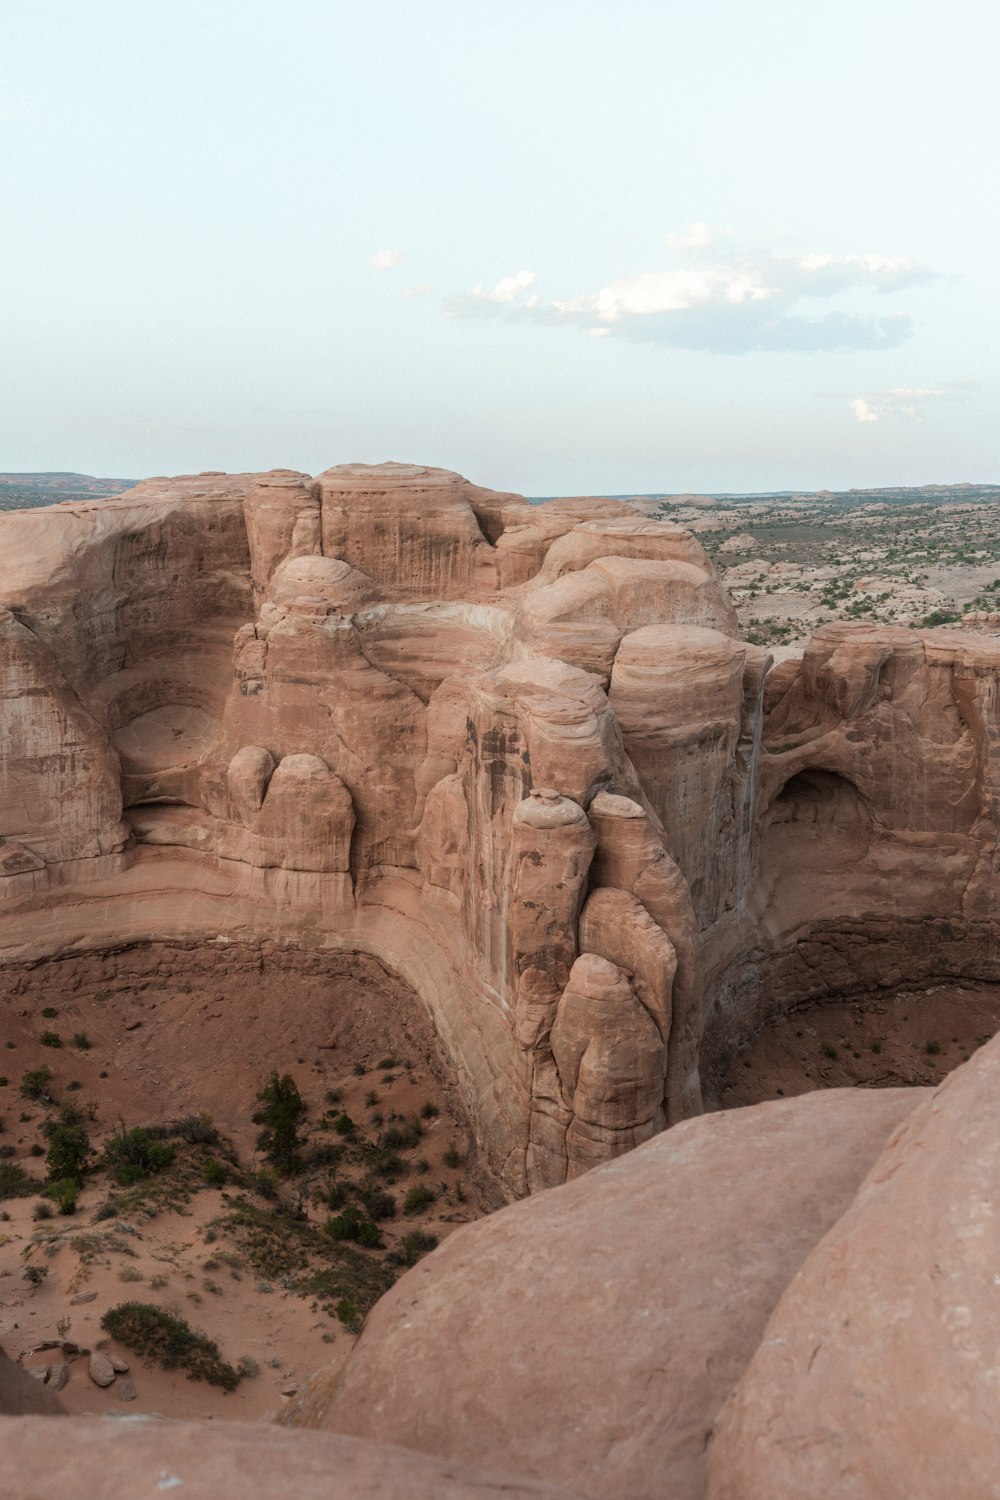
516,751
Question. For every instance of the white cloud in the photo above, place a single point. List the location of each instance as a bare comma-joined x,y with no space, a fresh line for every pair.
698,237
729,303
507,289
901,402
420,290
386,260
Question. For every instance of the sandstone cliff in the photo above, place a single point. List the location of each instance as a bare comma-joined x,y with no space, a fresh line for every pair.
516,751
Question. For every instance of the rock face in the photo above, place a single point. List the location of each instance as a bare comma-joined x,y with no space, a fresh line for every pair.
515,751
878,1371
23,1395
229,1461
601,1326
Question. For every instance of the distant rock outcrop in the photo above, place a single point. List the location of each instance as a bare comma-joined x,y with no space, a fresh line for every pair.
516,751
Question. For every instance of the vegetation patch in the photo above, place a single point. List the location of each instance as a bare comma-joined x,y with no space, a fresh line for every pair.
172,1343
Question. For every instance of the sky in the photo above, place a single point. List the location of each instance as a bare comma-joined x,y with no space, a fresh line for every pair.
562,246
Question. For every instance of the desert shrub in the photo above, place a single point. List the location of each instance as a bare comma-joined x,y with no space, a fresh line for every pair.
343,1124
106,1210
352,1225
170,1341
452,1157
413,1246
195,1130
429,1111
69,1147
50,1039
385,1164
281,1109
417,1199
830,1051
379,1204
336,1195
15,1182
42,1210
133,1155
35,1275
64,1192
403,1137
349,1315
49,1011
932,1048
267,1182
34,1084
388,1062
82,1040
325,1154
247,1367
215,1173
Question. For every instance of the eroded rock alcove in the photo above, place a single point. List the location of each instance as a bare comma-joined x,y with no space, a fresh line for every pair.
517,752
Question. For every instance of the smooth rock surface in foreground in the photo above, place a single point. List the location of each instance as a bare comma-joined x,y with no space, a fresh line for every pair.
590,1335
103,1459
879,1374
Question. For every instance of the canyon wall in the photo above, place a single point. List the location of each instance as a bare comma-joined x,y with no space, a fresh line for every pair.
516,751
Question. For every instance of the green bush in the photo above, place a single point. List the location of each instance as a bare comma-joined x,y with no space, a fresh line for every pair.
282,1108
403,1137
174,1344
64,1192
352,1225
82,1040
50,1039
69,1147
15,1182
379,1204
215,1173
413,1246
35,1084
133,1155
417,1199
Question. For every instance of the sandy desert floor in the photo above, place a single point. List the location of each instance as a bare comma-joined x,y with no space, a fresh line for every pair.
260,1275
880,1040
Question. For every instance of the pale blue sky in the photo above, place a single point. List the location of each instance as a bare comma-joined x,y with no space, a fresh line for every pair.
731,245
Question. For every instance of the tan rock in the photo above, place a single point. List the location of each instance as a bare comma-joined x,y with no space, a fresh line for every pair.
230,1461
877,1373
602,1325
20,1395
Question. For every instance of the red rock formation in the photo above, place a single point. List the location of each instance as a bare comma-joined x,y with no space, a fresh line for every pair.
877,1374
117,1460
602,1326
337,709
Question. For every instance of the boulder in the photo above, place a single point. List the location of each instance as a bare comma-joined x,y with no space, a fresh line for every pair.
877,1374
602,1325
230,1461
